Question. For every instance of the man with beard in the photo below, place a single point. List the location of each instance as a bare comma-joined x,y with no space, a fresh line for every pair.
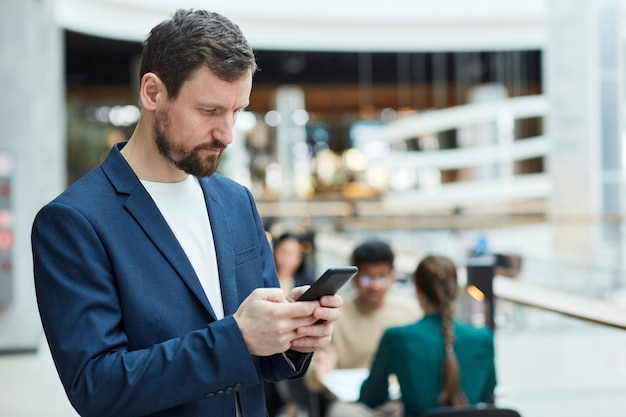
154,278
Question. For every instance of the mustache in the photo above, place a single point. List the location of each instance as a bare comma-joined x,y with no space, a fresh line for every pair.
211,145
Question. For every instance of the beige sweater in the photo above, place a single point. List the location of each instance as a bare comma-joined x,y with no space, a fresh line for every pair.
357,333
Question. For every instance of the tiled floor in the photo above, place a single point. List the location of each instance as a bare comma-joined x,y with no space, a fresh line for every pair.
29,386
551,366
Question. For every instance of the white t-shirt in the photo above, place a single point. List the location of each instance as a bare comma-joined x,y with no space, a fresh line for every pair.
183,206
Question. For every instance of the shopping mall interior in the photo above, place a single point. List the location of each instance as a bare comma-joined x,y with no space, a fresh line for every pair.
445,127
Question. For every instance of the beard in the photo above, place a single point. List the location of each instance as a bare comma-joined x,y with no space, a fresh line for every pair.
188,161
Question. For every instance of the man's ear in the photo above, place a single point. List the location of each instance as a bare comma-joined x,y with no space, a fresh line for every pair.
151,90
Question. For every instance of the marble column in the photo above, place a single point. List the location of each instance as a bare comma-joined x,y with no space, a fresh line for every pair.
583,64
32,153
291,143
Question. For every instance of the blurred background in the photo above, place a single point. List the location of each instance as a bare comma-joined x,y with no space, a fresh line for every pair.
488,131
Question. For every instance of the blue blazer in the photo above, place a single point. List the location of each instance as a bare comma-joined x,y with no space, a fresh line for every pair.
130,328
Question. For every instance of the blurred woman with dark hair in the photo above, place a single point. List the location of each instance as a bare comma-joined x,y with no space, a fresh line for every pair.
289,260
438,361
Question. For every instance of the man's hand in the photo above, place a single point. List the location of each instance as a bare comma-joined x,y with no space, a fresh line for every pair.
270,324
316,335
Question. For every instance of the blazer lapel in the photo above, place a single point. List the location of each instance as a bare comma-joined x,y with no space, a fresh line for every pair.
224,248
145,212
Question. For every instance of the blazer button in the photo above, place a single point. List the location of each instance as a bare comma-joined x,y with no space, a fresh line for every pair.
219,393
229,390
210,395
237,386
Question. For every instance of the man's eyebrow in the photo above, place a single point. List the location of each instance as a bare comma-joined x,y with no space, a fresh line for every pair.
209,104
219,106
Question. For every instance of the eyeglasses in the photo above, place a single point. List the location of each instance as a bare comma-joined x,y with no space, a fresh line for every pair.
368,280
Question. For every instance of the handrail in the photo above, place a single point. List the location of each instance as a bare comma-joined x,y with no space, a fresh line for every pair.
456,158
458,116
420,203
460,194
579,307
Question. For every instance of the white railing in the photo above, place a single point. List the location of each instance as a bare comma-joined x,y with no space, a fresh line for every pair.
461,116
467,157
500,150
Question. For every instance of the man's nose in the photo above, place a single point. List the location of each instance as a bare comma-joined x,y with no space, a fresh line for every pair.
224,131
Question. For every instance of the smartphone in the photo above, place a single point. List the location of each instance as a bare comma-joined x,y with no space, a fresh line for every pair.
329,282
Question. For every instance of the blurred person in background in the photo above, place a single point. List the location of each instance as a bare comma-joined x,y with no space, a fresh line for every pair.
154,278
290,267
289,259
363,320
438,361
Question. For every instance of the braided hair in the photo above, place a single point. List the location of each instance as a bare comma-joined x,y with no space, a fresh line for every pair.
436,278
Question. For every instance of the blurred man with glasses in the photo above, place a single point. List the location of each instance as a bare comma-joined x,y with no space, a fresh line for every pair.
364,318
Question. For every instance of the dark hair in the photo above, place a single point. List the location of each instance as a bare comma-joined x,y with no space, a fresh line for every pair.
436,278
302,268
373,251
286,236
177,47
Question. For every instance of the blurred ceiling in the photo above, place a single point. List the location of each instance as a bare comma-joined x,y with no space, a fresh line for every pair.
333,25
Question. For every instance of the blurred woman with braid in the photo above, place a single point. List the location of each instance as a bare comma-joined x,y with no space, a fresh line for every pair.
438,361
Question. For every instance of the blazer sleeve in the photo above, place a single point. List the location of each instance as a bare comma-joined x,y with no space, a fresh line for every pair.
82,316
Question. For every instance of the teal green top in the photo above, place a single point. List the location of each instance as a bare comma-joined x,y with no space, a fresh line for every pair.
415,354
